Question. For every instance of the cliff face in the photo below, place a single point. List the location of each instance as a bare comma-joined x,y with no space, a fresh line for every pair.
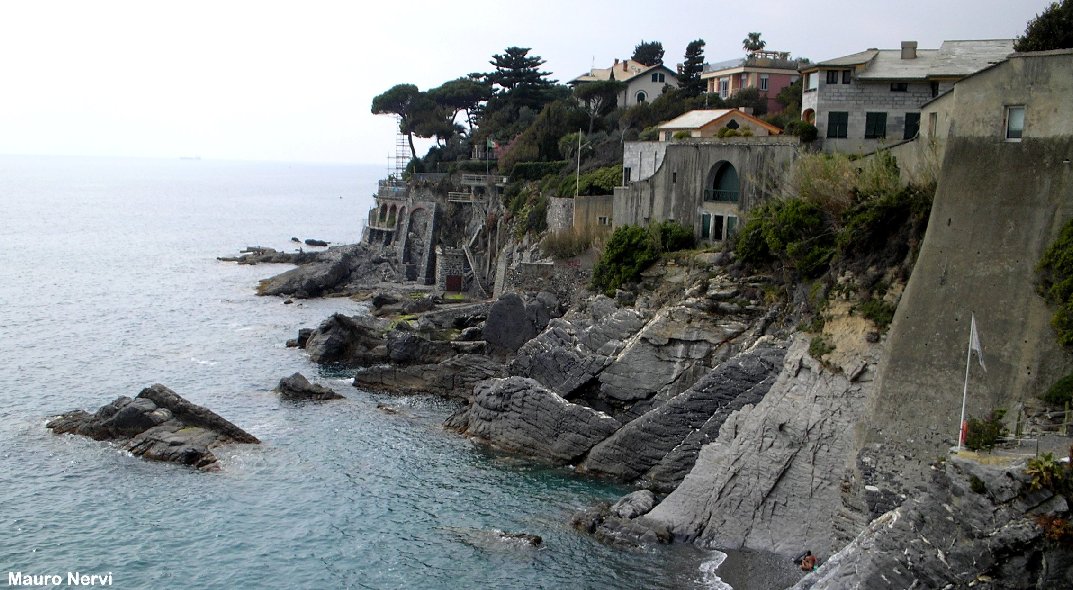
772,480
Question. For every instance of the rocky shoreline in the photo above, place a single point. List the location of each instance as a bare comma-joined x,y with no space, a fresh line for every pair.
737,434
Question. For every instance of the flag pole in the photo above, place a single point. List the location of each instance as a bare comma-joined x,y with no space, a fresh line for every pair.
965,390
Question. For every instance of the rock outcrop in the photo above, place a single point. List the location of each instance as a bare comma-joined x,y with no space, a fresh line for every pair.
773,477
298,388
688,420
350,340
453,378
513,321
158,424
973,525
519,415
314,278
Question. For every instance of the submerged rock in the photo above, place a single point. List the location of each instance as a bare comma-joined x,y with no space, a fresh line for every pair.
158,424
452,378
297,387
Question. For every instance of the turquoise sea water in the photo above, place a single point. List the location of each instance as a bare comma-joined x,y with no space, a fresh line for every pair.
110,284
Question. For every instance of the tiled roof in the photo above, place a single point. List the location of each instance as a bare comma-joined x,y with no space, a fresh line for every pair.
954,59
623,71
695,119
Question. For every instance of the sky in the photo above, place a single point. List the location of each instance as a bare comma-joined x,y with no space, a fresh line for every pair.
293,81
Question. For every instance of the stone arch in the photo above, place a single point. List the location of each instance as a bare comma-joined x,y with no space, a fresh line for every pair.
723,184
382,217
809,116
392,215
641,96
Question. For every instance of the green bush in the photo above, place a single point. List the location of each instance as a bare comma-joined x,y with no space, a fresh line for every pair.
1061,392
601,181
880,312
879,176
1054,274
681,135
1045,471
983,434
631,249
749,243
536,170
649,134
819,346
800,234
827,180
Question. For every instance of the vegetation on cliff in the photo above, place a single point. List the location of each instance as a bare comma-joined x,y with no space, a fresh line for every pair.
1051,29
631,249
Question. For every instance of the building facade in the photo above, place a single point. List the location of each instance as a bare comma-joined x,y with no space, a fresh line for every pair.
873,98
641,83
767,71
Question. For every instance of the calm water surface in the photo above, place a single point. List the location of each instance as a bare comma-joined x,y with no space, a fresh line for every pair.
110,283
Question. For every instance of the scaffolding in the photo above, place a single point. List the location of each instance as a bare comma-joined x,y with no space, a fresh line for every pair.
402,152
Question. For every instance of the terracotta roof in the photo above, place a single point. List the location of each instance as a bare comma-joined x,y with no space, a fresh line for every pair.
699,118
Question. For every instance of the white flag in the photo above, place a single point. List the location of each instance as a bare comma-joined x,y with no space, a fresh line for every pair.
974,343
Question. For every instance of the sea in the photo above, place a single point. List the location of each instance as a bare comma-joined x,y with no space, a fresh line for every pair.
110,282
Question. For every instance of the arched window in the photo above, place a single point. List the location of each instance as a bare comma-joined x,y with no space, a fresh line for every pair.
641,96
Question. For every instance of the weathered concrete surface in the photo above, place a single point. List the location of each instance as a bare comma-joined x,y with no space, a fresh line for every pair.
950,536
772,479
643,443
521,416
997,208
159,425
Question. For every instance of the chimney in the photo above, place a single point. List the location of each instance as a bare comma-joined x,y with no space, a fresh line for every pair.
624,62
616,61
909,49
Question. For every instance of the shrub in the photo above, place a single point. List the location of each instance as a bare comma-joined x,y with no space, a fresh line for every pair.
879,176
749,243
649,134
819,346
631,249
799,233
983,434
1055,528
536,170
566,243
1045,471
1054,274
601,181
681,135
1061,392
880,312
827,180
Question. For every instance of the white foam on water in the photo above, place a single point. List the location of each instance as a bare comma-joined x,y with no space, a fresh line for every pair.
709,576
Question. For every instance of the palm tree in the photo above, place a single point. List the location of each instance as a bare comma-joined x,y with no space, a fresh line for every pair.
753,43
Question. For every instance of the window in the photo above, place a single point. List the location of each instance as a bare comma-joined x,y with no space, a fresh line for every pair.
899,87
705,226
724,87
933,124
934,89
832,76
912,125
845,76
603,220
658,77
875,125
674,176
744,81
1015,122
837,124
626,173
732,226
642,96
813,81
763,81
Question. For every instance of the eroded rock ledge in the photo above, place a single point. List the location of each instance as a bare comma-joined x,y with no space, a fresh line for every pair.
159,425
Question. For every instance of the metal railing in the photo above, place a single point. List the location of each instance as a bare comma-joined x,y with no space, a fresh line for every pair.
460,197
484,179
721,196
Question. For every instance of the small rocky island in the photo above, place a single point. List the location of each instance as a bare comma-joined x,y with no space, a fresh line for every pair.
159,425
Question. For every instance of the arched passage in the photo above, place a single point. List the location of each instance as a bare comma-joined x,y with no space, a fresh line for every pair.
809,116
723,185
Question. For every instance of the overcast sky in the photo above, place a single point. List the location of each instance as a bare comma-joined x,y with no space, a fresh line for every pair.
293,81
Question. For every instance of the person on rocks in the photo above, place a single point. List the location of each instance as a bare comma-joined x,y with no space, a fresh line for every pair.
808,562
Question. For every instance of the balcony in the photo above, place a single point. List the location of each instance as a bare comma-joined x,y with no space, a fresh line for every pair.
459,197
721,196
392,189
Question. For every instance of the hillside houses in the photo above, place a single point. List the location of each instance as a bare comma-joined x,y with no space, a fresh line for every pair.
642,83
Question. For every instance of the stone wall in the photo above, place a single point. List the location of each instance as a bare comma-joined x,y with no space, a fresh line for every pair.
560,213
449,261
564,280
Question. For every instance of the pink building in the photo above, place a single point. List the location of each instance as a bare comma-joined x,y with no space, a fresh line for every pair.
767,71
